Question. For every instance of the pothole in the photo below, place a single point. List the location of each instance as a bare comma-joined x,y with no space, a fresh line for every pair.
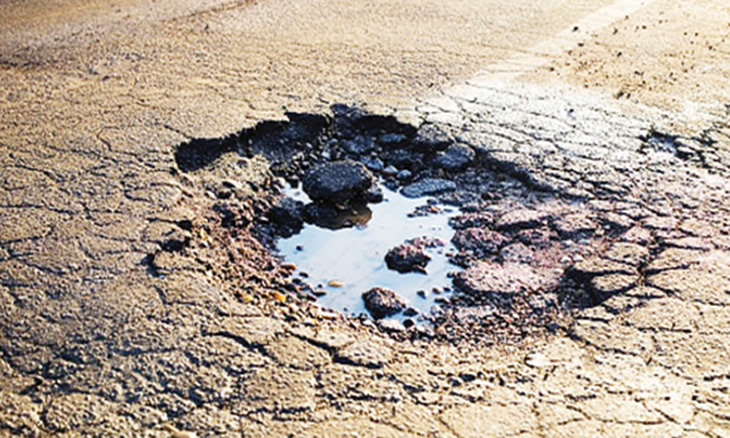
427,233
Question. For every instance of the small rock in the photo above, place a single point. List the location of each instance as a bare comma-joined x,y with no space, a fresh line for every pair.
430,138
407,258
359,145
390,171
404,174
374,195
402,158
287,217
410,311
392,139
338,182
374,164
428,186
455,157
391,326
382,302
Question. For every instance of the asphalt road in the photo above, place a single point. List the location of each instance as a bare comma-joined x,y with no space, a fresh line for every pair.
107,331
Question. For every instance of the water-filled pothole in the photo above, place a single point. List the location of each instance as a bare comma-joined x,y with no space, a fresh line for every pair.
513,235
341,264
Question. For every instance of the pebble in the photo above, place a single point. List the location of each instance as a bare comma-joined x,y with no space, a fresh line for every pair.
404,174
455,157
391,325
410,311
374,164
335,283
392,139
390,171
428,186
382,302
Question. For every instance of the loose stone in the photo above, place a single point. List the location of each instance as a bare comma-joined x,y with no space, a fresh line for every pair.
428,186
430,138
390,171
391,326
338,182
359,145
382,302
407,257
455,157
404,175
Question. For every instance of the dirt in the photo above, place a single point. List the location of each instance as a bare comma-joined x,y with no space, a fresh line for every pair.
136,300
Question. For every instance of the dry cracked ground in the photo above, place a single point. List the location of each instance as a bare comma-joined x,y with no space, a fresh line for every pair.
134,304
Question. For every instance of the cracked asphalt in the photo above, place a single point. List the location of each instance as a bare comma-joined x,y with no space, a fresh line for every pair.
128,311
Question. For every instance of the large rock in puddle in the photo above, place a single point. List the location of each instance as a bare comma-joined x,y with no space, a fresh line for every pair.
382,302
407,257
339,182
411,256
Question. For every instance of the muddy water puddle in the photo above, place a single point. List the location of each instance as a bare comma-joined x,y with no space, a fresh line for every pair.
341,264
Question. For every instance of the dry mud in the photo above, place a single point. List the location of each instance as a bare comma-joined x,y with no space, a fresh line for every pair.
136,299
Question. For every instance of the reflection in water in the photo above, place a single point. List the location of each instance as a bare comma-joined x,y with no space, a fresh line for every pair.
355,256
334,219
